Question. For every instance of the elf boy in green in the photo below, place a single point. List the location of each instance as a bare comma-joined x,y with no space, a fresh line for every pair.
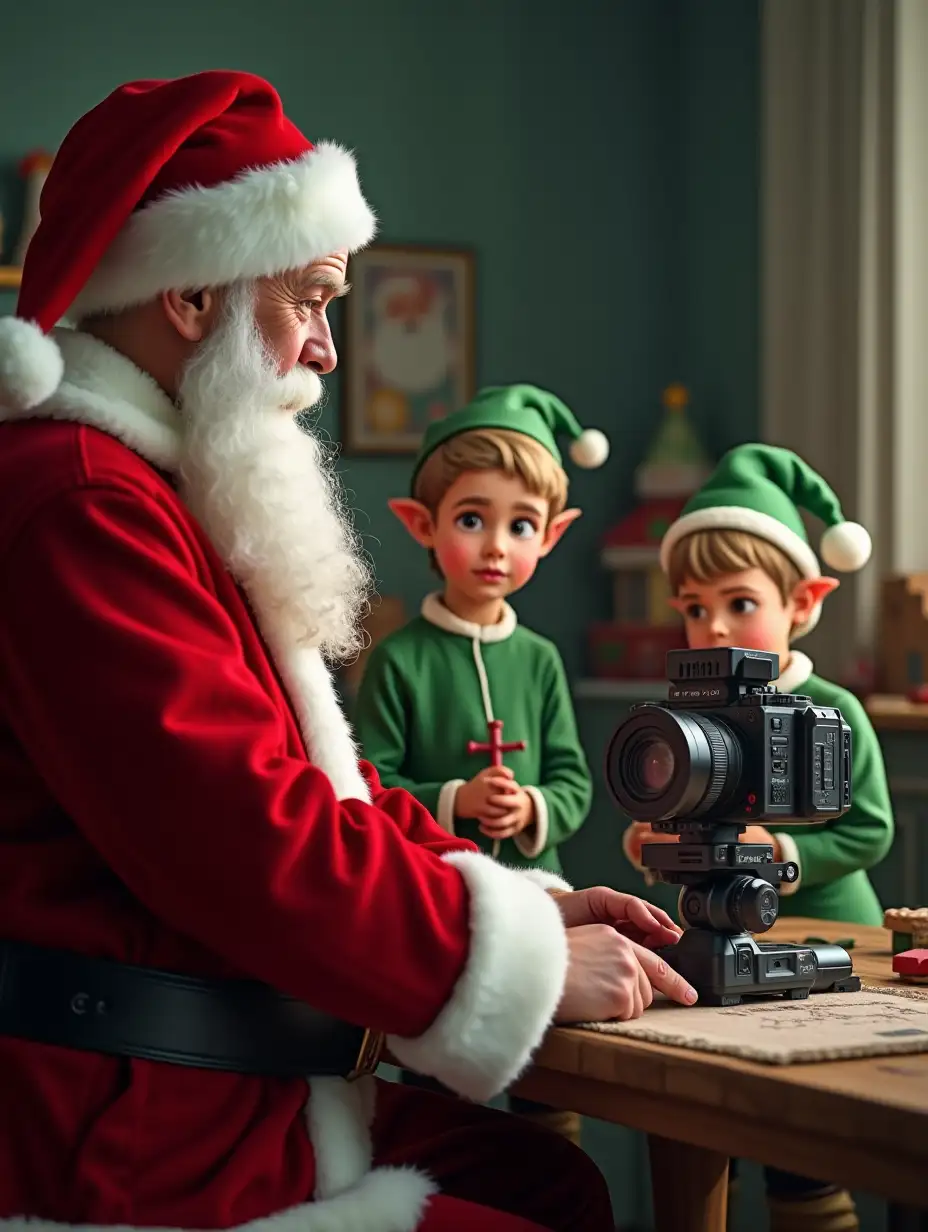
742,573
488,501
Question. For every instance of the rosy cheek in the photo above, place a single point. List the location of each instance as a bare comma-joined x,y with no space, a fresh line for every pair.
523,560
284,338
456,555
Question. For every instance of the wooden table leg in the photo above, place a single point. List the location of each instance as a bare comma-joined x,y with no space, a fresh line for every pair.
690,1187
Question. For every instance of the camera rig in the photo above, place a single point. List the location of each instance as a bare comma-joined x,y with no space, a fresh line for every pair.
729,891
725,751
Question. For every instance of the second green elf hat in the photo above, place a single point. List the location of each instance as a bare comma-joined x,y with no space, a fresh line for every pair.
520,408
761,489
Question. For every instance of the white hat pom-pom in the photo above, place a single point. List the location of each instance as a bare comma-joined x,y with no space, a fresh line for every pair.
846,546
31,366
590,449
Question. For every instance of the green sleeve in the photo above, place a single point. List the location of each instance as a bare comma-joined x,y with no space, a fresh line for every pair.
565,784
864,835
382,719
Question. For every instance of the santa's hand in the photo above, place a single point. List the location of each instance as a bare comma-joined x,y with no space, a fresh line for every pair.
634,918
609,976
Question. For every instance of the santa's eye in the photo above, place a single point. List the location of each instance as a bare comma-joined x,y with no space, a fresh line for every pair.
469,521
695,611
743,606
522,528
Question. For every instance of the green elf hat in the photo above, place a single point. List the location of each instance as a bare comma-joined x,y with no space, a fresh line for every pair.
525,409
761,489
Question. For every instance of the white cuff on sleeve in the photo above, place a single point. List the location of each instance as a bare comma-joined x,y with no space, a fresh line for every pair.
444,814
506,996
532,842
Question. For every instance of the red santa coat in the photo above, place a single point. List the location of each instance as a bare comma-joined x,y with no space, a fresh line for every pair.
172,797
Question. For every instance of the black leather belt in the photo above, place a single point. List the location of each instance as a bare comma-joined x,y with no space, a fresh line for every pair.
92,1004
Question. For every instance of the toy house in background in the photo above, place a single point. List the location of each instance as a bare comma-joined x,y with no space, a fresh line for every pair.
903,637
634,644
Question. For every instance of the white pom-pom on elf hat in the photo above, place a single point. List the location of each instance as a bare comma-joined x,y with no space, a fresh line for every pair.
761,489
520,408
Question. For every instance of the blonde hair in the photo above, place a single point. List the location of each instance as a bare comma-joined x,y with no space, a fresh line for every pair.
492,449
707,555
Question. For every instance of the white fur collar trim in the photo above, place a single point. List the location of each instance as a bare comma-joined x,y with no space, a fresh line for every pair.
103,389
107,391
796,673
434,611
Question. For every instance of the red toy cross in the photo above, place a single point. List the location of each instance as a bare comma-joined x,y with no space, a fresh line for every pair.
494,743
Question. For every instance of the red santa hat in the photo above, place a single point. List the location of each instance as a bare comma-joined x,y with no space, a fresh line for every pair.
178,184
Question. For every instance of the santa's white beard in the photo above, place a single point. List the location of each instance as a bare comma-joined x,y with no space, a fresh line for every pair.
266,491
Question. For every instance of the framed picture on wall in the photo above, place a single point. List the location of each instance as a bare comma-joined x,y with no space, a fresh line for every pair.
409,345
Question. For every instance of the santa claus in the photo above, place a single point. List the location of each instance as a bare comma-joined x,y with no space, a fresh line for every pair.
412,348
211,913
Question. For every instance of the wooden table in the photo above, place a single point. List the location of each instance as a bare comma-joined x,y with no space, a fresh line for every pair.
860,1123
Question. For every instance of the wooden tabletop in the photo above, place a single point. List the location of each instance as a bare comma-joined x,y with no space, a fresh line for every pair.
860,1123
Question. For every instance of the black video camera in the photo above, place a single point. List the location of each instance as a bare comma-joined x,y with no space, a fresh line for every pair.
724,752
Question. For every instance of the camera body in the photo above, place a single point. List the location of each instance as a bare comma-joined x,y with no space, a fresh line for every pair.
725,751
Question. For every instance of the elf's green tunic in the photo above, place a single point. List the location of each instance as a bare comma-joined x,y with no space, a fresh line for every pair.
833,859
432,686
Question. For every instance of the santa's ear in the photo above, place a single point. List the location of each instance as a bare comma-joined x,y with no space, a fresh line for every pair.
556,528
809,594
416,518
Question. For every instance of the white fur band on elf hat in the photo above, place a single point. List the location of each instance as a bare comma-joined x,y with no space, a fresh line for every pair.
760,489
173,185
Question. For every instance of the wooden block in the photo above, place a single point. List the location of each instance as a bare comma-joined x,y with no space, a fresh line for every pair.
912,966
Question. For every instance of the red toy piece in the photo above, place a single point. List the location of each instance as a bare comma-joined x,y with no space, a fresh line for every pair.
912,965
494,743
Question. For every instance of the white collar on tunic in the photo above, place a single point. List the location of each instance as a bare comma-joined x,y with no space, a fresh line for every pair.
795,674
434,611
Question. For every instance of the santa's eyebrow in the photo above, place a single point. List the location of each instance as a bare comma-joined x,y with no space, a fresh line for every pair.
330,282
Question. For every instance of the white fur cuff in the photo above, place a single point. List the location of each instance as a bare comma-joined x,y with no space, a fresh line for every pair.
444,812
532,842
506,997
790,852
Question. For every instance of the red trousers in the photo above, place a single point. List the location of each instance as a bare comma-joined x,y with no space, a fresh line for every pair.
496,1171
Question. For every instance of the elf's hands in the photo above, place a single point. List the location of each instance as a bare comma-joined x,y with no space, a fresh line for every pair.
488,796
519,816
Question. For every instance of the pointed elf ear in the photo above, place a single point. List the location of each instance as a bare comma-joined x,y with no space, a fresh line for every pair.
416,518
809,594
556,528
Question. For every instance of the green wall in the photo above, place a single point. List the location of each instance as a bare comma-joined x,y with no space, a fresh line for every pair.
599,155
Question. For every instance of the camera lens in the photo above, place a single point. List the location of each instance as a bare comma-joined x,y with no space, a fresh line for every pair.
743,904
651,764
664,764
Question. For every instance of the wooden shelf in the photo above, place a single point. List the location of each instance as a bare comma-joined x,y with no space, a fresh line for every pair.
10,276
888,713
